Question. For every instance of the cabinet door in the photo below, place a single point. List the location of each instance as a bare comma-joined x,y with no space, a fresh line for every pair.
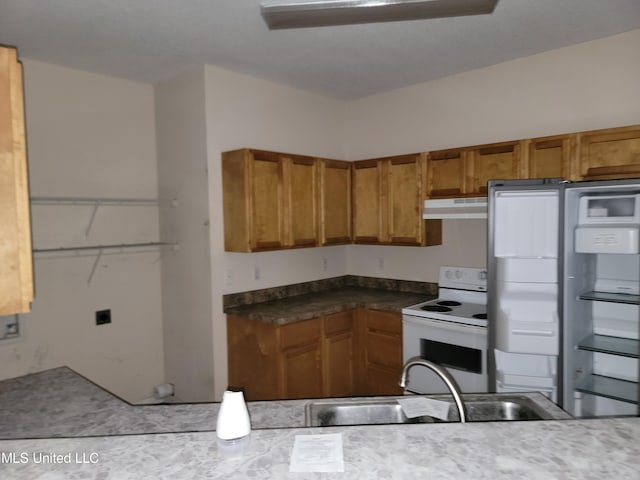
550,157
302,372
382,352
610,154
252,352
252,200
338,355
300,183
492,162
446,174
301,359
267,209
16,277
367,204
335,202
404,177
236,200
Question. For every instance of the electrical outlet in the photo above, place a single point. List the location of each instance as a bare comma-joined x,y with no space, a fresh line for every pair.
381,263
325,264
9,327
257,273
103,317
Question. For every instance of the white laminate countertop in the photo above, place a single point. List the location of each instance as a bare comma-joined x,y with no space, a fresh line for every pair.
98,436
61,403
541,450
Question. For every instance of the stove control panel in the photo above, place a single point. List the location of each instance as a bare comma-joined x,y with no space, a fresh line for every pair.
464,278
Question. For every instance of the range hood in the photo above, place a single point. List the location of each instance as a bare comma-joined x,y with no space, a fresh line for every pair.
475,207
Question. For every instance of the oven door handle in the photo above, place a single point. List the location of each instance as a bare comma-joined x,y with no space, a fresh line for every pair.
443,325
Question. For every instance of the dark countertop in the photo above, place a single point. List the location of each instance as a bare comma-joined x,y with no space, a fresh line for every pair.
311,305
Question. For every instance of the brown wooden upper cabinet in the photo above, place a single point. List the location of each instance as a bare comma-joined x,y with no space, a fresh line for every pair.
464,172
16,267
550,157
388,194
301,201
446,173
367,202
405,196
609,154
335,201
490,162
276,200
270,200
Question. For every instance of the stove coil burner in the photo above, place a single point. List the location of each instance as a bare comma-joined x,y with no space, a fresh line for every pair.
481,316
436,308
449,303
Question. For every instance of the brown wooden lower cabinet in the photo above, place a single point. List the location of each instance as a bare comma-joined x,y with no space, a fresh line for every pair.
253,350
302,371
380,334
353,352
338,355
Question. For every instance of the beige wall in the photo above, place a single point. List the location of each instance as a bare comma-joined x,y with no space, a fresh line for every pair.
247,112
186,283
91,136
587,86
243,111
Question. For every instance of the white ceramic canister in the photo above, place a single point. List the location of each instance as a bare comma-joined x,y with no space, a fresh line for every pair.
233,425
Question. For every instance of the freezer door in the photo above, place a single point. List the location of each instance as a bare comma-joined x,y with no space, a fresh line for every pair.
524,291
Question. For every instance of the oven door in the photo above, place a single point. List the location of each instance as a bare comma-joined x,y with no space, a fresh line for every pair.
461,349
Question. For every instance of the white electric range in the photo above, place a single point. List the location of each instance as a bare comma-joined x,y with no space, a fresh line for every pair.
451,331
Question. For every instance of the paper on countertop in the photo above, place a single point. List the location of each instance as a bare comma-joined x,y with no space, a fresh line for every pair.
317,453
419,407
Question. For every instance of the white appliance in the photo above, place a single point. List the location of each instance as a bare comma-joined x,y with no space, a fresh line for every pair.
451,331
564,292
472,207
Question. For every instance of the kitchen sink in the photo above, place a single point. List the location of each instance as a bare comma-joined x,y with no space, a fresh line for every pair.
373,411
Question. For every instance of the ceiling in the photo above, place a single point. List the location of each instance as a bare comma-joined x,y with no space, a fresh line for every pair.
154,40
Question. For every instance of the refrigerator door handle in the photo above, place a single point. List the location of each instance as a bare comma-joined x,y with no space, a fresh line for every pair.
537,333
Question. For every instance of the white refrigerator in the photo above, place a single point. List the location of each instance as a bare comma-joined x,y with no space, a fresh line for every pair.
564,292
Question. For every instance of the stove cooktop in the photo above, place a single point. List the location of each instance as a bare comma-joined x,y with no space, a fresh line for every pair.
450,310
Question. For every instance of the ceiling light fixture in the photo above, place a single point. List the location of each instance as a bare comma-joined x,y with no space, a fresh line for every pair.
281,14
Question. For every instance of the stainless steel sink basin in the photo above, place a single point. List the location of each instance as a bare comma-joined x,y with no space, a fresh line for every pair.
372,411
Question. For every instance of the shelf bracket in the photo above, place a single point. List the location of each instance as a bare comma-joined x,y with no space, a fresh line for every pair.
95,265
93,217
105,249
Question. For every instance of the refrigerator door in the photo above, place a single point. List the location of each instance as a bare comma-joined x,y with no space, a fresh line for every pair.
524,292
526,299
601,307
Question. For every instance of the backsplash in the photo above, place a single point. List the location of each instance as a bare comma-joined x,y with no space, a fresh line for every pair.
286,291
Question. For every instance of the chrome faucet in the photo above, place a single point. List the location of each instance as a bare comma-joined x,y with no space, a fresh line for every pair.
442,373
